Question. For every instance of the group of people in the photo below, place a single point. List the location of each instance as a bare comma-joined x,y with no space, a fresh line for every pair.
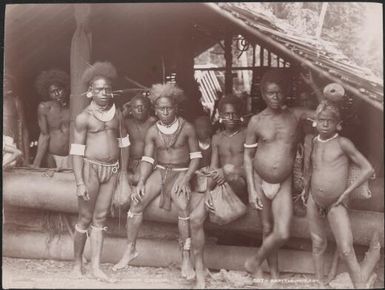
183,163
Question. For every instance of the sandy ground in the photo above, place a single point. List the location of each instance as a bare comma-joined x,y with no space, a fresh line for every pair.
27,273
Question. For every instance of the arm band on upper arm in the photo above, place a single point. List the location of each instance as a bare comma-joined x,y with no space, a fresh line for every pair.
148,159
124,142
194,155
77,149
251,145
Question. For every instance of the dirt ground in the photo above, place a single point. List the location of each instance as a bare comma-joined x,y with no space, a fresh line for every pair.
27,273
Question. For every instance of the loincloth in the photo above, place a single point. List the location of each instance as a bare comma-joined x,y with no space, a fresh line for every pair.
169,174
9,141
270,189
103,171
62,162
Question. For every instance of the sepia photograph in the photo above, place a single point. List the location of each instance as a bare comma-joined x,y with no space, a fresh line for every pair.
193,145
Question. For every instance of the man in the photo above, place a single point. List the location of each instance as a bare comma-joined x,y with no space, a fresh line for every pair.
226,166
173,141
54,119
137,125
269,168
15,133
99,138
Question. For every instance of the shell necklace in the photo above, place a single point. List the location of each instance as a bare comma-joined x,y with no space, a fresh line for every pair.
103,115
168,129
327,140
232,134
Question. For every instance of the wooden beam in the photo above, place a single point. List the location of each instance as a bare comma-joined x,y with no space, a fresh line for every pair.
30,188
154,253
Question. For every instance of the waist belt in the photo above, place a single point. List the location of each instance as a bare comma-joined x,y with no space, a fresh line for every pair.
171,167
114,166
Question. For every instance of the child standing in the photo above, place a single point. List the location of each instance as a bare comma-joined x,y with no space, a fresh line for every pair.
329,188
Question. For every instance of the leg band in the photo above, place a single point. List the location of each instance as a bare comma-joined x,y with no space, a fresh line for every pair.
183,218
131,214
99,228
79,230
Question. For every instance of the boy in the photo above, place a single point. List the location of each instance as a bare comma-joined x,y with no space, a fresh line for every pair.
226,166
330,159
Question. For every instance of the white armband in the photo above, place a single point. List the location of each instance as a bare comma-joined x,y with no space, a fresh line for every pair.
77,149
148,159
124,142
197,154
251,145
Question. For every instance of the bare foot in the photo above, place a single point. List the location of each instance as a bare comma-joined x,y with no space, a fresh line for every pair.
370,282
372,256
274,275
84,259
251,267
128,256
200,283
187,269
77,272
100,275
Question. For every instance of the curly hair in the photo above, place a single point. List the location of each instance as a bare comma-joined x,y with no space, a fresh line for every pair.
99,69
276,76
326,105
231,100
51,77
145,100
170,91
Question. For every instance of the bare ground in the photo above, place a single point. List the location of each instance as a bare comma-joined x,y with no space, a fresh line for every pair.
28,273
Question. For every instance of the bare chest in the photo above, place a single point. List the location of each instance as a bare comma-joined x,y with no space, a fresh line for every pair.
284,128
58,117
328,154
137,131
171,141
231,145
97,126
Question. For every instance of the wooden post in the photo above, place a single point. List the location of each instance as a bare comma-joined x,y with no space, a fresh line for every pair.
229,60
185,72
81,48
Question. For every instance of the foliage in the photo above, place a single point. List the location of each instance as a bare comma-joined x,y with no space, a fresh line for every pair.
344,24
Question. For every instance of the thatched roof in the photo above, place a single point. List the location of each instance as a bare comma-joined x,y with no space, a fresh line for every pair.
323,54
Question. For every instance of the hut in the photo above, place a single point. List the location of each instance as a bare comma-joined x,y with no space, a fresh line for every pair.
148,43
